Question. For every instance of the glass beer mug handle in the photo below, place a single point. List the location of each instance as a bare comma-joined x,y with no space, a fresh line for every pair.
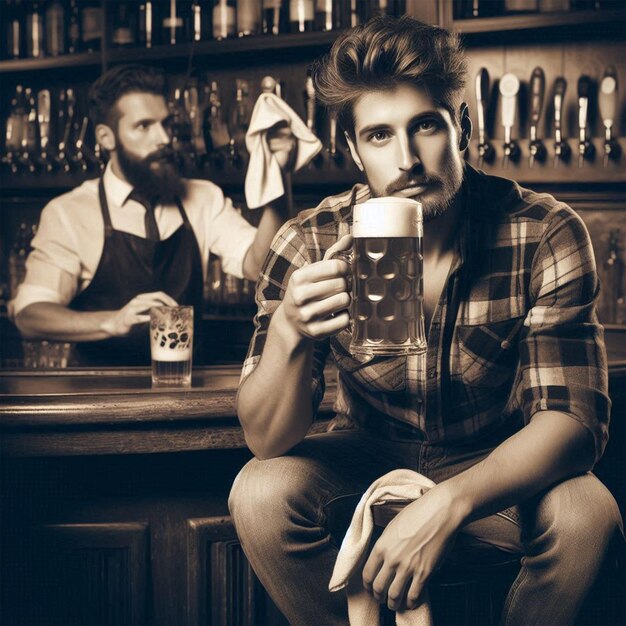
348,257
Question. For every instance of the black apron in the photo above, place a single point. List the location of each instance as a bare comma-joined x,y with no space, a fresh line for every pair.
131,265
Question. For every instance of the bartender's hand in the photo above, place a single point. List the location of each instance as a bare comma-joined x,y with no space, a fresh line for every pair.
316,299
282,143
135,312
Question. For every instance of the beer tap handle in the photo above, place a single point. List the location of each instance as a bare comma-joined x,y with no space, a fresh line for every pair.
30,137
485,150
43,115
333,152
561,148
537,91
192,105
69,101
80,156
509,90
585,148
310,103
608,104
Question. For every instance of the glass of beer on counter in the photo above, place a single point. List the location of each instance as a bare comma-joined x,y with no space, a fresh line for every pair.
171,345
386,312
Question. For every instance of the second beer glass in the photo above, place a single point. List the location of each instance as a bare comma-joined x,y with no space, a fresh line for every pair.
387,287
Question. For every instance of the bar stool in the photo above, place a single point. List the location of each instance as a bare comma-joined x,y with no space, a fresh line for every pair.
471,586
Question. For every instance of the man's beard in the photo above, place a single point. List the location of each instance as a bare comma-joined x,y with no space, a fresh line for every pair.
445,190
154,176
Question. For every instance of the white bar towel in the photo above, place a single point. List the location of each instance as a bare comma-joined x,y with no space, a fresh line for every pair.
263,179
363,609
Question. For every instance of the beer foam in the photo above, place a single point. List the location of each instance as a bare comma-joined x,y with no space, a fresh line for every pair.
387,217
167,354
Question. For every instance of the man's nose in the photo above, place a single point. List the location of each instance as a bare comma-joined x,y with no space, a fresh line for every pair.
408,153
162,134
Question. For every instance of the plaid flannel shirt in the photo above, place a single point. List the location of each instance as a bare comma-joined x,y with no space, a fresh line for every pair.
515,330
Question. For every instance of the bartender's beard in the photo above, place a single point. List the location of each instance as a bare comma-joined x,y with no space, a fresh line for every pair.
154,176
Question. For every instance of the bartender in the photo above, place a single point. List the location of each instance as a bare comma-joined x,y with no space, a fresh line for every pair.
140,236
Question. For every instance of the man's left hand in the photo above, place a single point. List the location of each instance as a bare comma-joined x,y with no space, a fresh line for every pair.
410,549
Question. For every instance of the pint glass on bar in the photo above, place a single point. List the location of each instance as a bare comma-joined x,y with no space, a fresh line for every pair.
171,345
387,287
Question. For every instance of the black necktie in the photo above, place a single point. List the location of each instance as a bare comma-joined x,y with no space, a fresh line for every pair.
152,230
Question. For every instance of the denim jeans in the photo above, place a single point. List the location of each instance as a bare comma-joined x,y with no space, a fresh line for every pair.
290,513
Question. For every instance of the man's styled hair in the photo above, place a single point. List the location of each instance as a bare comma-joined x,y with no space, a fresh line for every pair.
117,82
384,53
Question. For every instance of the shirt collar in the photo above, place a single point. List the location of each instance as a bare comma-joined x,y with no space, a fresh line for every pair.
117,190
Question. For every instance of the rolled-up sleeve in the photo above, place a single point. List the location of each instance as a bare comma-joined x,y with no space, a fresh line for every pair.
230,235
53,267
287,254
563,362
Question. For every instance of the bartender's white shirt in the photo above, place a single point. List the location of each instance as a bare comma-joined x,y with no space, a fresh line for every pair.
70,237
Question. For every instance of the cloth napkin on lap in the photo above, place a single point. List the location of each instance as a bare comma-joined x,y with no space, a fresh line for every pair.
363,609
264,182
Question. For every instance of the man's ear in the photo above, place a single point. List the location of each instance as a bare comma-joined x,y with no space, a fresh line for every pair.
353,152
105,137
466,127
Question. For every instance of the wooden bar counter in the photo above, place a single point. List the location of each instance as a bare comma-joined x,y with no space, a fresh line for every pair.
115,498
115,411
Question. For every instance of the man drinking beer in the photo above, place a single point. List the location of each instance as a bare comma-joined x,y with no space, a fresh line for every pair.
507,412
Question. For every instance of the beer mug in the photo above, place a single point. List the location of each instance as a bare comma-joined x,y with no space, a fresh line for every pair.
386,311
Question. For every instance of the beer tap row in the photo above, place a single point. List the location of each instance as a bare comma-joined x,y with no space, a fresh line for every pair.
509,91
49,132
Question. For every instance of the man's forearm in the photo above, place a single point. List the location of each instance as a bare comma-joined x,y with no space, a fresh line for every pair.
48,320
551,448
275,402
274,216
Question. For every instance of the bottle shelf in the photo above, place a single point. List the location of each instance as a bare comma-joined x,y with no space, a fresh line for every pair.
537,20
63,61
234,46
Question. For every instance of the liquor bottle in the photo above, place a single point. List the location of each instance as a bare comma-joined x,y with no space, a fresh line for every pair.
43,116
14,19
324,15
512,7
55,28
34,30
201,20
301,15
248,17
275,17
224,19
123,33
17,257
468,9
91,22
145,27
73,27
172,24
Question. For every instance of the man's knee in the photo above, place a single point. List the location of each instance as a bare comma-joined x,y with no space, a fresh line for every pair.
578,514
266,491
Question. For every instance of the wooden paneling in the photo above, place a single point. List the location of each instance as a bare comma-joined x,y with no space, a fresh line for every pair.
222,588
92,574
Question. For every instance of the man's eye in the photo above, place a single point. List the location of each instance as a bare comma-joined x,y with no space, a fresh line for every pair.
378,136
426,125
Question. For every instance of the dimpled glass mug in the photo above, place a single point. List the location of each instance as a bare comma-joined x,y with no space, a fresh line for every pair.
171,345
386,311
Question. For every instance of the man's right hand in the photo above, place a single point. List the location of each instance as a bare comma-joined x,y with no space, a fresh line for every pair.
316,299
120,323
